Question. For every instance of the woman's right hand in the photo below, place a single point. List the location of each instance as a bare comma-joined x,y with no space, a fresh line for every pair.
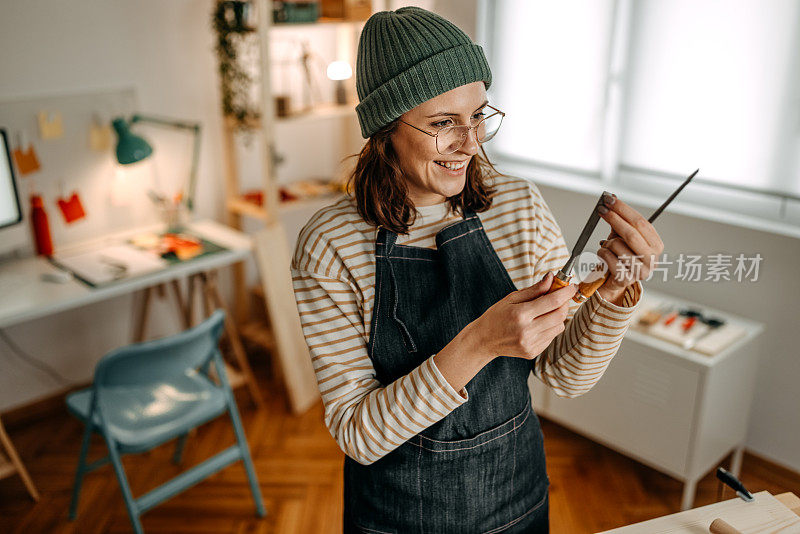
525,322
520,325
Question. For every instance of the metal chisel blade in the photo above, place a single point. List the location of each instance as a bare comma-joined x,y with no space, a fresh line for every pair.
586,233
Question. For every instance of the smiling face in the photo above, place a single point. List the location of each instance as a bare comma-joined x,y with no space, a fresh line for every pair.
431,176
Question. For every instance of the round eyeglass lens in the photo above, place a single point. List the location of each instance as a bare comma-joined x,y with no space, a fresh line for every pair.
450,139
489,126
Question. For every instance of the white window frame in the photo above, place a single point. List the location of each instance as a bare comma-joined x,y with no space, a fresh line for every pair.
770,211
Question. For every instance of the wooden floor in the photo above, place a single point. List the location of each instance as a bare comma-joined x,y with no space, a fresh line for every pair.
300,472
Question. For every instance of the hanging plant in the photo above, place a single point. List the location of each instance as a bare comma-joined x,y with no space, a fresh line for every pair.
236,38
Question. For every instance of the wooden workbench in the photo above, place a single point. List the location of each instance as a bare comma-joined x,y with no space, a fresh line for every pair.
768,513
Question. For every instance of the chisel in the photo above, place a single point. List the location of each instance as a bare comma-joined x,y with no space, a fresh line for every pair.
587,289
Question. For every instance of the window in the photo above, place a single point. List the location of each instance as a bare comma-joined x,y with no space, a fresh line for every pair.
640,93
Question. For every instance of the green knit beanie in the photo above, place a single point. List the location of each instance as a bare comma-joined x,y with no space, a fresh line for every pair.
408,56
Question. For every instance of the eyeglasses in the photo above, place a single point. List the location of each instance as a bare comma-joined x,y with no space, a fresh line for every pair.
450,138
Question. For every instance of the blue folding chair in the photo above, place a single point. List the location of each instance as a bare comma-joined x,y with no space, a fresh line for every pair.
146,394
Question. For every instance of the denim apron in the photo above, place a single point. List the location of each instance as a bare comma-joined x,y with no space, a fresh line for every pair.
481,469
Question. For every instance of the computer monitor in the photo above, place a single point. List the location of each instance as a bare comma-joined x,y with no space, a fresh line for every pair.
13,234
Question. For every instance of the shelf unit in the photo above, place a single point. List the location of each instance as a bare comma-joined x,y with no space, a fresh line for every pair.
255,330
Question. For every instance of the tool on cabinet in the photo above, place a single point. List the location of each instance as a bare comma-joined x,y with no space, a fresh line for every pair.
587,289
712,325
671,318
691,328
691,319
651,317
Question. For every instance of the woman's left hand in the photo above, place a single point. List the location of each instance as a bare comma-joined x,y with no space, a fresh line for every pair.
631,250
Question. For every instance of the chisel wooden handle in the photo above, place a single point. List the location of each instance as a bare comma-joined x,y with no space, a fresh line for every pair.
557,284
587,289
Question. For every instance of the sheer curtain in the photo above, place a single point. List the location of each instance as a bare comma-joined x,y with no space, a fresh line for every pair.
670,86
550,64
710,84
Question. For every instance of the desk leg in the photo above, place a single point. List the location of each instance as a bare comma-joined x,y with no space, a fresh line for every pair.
214,300
141,321
183,308
687,500
190,300
205,296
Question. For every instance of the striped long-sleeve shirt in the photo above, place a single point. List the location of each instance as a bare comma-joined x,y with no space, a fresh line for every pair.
333,272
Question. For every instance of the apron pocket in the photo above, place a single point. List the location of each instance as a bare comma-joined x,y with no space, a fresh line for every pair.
483,483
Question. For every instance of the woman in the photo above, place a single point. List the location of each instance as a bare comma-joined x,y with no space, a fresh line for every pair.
420,306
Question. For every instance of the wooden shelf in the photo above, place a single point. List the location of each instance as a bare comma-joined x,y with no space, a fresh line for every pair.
243,207
321,22
240,206
320,111
304,203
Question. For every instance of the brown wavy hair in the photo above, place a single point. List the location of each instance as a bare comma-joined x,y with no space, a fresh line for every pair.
381,194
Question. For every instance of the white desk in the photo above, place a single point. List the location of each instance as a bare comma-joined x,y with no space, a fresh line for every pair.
26,296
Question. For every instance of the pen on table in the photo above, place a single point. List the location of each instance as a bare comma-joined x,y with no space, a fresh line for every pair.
730,480
712,324
691,319
118,269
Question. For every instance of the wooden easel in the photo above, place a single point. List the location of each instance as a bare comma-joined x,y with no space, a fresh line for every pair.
211,300
10,463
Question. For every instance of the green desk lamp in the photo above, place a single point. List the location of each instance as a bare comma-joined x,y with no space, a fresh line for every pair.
132,148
